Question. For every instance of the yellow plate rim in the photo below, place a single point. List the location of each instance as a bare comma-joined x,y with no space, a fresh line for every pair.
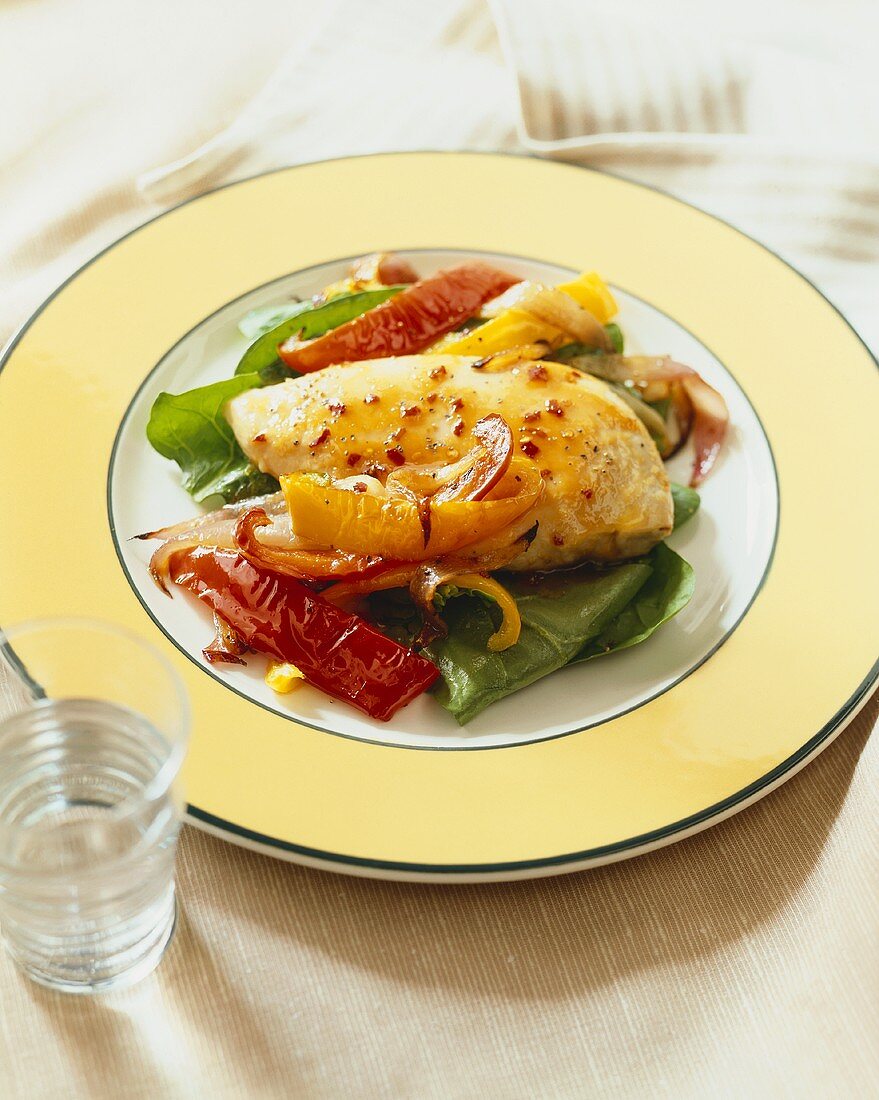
525,869
618,849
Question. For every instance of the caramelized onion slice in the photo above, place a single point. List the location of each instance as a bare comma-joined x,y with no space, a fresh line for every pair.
419,576
273,505
305,565
489,462
420,482
386,268
710,424
554,307
640,370
408,492
422,588
678,420
160,561
226,647
279,551
470,478
560,310
397,575
217,529
657,377
429,576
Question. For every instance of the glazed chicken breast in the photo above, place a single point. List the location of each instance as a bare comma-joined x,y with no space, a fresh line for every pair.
607,495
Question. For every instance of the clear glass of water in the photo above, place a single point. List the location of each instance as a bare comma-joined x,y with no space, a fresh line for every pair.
93,730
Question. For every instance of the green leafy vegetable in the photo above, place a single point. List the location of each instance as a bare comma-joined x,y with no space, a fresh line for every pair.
560,615
571,351
190,428
262,355
566,618
394,612
264,319
686,502
447,592
668,589
616,337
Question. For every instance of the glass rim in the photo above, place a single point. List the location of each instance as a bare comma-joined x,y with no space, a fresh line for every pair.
165,775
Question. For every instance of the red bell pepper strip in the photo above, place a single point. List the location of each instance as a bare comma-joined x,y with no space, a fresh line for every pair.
405,324
276,615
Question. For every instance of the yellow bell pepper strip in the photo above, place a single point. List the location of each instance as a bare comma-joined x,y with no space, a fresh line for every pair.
282,677
511,329
516,326
511,624
430,577
472,478
392,527
591,292
481,556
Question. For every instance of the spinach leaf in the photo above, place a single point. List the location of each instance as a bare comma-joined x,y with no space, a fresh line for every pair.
190,428
667,590
394,612
264,319
615,333
571,351
262,355
566,618
560,614
686,502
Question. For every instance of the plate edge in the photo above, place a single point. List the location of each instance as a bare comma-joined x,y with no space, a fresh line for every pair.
540,869
552,865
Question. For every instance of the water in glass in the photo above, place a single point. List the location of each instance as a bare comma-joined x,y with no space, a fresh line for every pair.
89,815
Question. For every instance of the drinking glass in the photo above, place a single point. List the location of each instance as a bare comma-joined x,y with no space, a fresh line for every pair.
90,802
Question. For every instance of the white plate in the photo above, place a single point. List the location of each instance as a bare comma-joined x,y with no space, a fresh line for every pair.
729,543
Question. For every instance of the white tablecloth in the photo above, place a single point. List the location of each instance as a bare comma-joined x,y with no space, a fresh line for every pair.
742,962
